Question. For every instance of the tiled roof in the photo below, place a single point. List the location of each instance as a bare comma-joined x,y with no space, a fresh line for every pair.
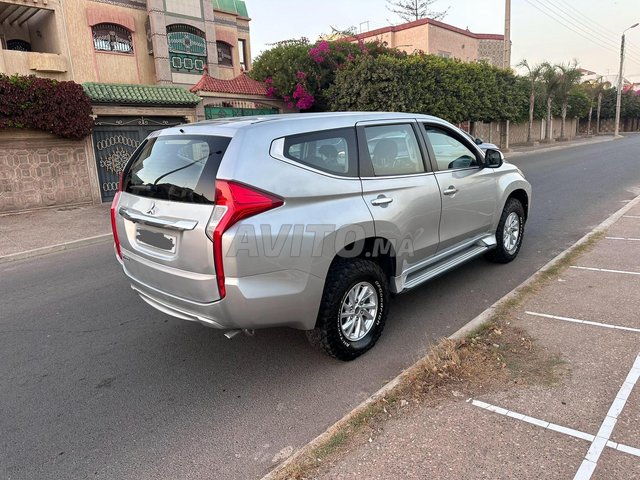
139,94
429,21
242,85
233,6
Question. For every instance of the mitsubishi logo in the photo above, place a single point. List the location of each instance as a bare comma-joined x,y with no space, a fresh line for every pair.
152,209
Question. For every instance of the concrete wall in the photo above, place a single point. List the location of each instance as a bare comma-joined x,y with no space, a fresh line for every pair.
40,170
454,44
490,132
608,125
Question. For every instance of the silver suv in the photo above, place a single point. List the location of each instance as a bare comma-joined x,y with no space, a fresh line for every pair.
310,221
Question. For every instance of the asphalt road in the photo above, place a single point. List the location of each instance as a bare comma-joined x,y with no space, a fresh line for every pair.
95,383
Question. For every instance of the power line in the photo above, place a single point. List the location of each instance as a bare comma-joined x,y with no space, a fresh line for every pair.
603,33
569,26
604,30
587,30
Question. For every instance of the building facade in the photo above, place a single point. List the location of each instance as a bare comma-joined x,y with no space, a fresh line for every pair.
439,38
137,60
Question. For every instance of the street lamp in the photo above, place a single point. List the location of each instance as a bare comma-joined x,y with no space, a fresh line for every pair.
619,96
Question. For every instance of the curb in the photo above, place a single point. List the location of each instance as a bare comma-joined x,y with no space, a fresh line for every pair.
460,333
604,139
56,248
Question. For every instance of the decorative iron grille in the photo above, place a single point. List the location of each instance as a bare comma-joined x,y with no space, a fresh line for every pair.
187,48
224,54
109,37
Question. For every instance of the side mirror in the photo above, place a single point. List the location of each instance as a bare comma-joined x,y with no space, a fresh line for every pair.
479,141
493,158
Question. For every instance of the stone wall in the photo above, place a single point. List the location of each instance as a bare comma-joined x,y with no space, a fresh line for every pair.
40,170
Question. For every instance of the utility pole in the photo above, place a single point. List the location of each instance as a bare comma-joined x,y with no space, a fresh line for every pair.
616,132
506,63
506,52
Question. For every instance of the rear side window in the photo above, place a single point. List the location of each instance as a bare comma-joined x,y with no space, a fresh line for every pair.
178,168
332,151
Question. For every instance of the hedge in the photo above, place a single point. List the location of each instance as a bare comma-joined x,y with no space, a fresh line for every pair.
60,108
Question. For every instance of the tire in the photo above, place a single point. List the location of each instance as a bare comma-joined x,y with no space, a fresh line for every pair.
512,217
337,332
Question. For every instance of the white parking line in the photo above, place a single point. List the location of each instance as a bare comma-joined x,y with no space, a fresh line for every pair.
623,238
554,427
584,322
631,216
605,270
602,437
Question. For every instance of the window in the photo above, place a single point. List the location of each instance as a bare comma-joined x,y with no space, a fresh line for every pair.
224,54
19,45
332,151
394,150
444,54
242,52
187,49
450,152
109,37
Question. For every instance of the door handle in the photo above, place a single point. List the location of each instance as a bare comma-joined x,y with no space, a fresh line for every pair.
450,191
168,223
381,201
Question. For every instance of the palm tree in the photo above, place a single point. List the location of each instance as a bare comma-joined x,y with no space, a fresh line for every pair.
533,75
600,85
569,77
551,82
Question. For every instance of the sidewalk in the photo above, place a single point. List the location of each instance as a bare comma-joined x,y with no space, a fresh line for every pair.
578,420
37,232
519,150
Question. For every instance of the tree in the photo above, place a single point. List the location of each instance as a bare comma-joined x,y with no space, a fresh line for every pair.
568,77
551,82
596,88
412,10
534,74
300,73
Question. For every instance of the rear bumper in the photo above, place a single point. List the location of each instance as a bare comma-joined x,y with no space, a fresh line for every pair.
288,298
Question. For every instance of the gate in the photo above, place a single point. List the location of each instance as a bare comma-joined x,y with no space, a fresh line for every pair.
115,139
225,112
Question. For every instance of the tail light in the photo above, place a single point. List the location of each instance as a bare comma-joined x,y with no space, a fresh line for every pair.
114,206
234,202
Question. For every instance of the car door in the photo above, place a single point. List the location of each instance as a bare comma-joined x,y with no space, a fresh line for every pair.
399,188
469,191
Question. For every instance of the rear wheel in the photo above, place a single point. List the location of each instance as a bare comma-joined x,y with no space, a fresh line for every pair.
353,309
509,233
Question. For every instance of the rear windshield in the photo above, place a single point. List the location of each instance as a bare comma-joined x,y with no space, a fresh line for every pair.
178,168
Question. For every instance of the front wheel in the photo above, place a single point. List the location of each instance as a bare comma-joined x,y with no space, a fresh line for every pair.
509,233
353,309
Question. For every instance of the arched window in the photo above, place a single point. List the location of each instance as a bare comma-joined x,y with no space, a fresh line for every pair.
224,54
187,48
19,45
109,37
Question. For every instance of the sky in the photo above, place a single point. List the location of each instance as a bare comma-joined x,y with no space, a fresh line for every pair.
542,30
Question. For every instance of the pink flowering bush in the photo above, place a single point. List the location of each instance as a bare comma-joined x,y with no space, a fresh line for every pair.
300,73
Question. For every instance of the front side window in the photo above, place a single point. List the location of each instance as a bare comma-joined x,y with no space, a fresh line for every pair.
108,37
224,54
332,151
394,150
450,152
187,49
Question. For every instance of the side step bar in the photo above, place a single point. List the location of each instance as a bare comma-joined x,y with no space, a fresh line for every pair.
440,268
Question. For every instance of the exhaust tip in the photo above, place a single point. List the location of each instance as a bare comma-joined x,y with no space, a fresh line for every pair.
232,333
